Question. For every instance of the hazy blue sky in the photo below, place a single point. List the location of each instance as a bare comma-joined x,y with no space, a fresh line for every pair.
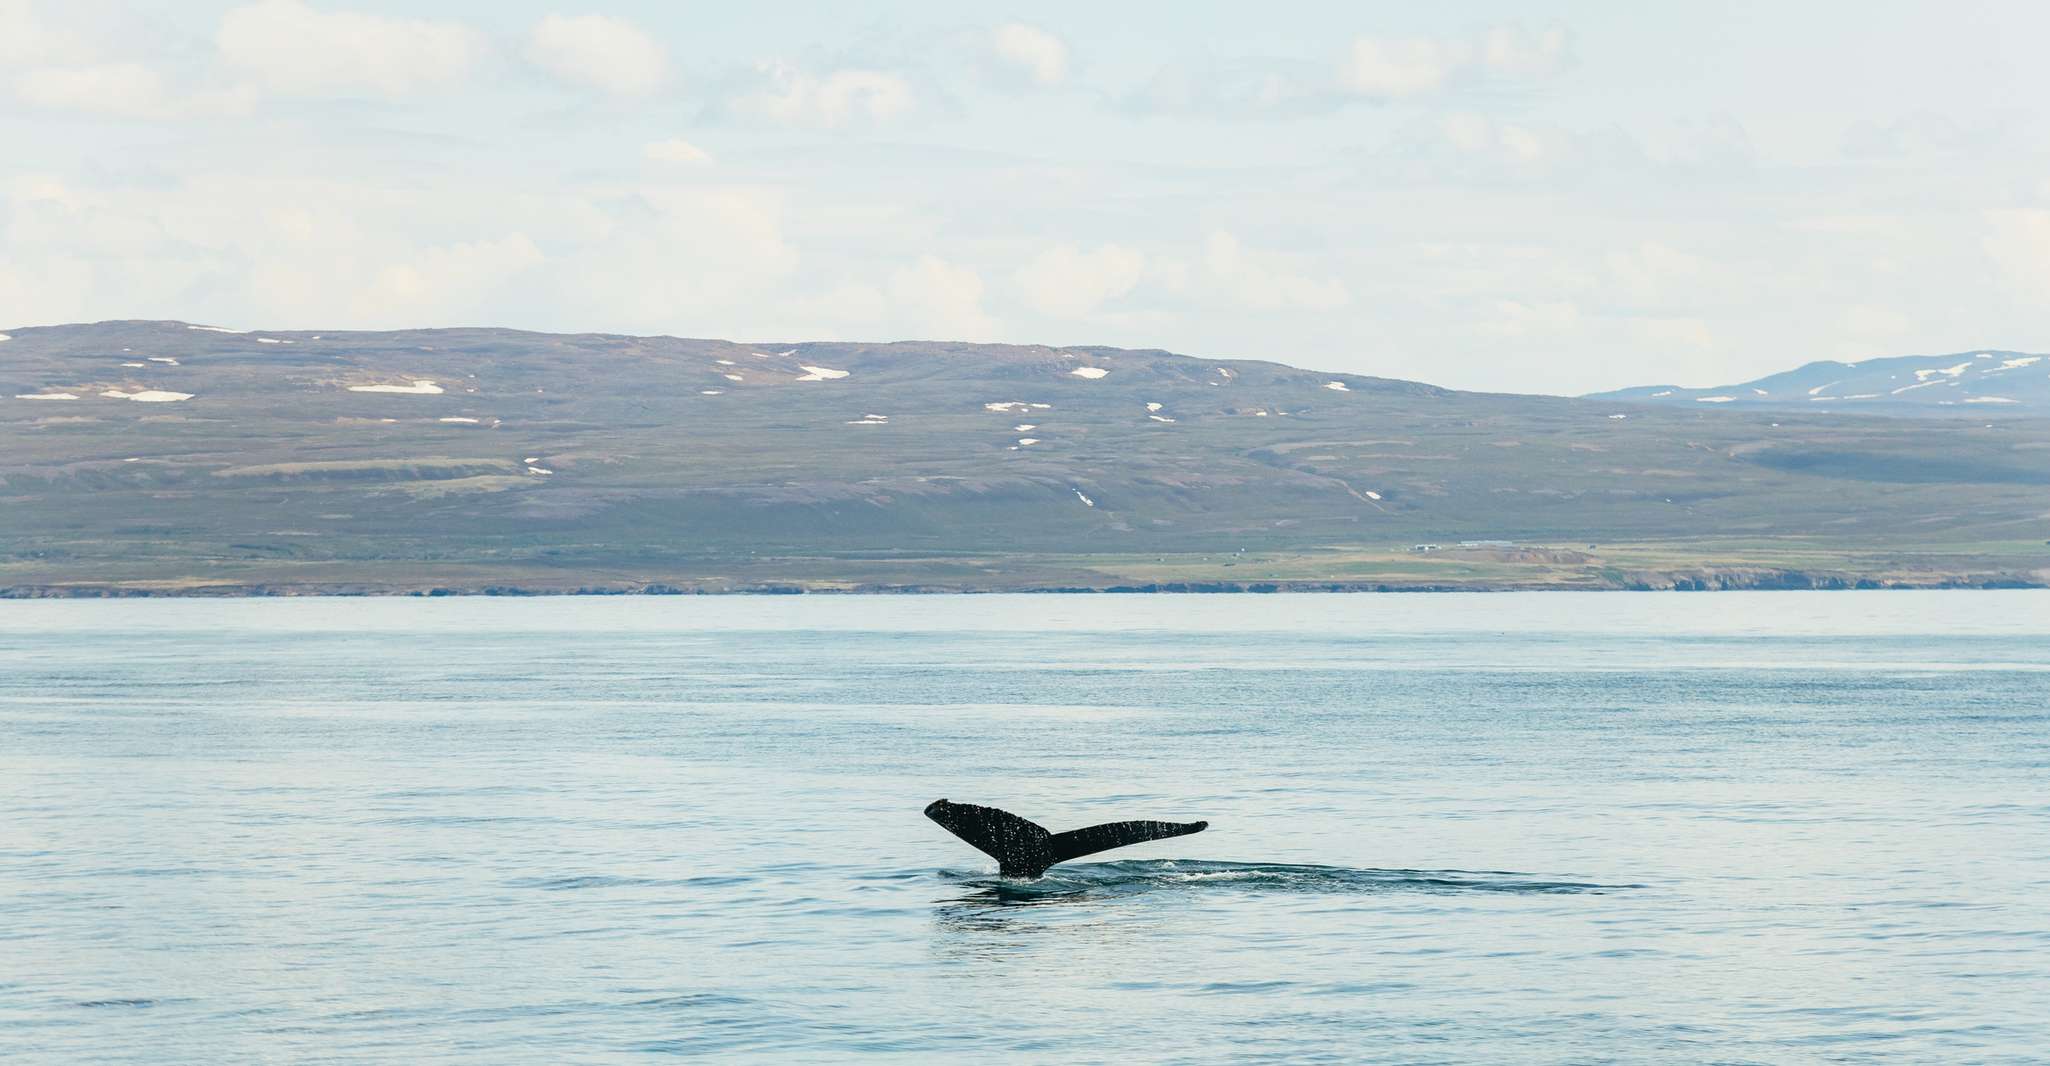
1557,197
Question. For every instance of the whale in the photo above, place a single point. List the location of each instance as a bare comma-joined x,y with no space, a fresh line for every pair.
1025,849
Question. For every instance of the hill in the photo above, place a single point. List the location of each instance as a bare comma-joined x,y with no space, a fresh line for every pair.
1966,384
162,457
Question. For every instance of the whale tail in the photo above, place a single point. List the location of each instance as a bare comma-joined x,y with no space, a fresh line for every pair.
1025,849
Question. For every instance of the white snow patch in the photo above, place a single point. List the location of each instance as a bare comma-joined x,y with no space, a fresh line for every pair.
539,470
872,420
820,373
733,377
1024,427
1760,392
1372,495
779,355
137,366
5,337
1989,399
149,396
1336,386
217,329
1226,374
164,359
419,387
2028,360
1713,399
1086,501
1041,406
1016,406
1161,418
711,392
1028,441
1656,395
1090,372
1863,396
1949,371
465,421
531,460
1153,407
1820,399
723,362
133,459
1817,390
270,340
45,396
1619,416
1921,385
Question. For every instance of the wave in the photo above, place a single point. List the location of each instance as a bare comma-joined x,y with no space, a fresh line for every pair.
1135,876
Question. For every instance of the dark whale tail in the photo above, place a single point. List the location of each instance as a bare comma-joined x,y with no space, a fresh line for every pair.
1024,849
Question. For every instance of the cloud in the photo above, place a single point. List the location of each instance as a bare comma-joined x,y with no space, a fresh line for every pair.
1260,282
1505,141
1039,54
1066,282
1398,68
130,90
289,47
675,150
25,38
1514,52
449,279
599,52
939,299
2018,242
797,97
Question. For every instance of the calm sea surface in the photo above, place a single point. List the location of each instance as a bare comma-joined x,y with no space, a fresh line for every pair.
1770,827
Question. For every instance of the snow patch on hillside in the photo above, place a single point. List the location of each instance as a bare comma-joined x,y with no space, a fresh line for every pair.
420,387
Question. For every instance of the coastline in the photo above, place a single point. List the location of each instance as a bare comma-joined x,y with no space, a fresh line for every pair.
1780,582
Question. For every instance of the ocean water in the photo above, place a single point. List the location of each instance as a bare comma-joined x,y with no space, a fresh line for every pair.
1729,827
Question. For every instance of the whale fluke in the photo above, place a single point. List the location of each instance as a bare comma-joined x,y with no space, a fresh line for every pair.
1024,849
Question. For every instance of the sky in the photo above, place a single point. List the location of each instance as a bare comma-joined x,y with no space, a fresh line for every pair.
1511,197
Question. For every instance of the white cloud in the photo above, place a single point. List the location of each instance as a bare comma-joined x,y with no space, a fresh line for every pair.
799,98
1405,67
940,300
1681,332
1398,68
1516,52
599,52
1039,54
1066,282
437,282
289,47
2018,242
1870,321
1262,282
1519,319
675,150
127,89
25,38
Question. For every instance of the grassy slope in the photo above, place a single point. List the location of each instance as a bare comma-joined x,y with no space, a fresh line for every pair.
275,475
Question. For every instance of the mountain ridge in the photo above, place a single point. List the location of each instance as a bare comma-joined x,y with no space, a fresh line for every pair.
190,459
1976,382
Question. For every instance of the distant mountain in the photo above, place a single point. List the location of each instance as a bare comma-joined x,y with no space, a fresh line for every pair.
1969,384
163,457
